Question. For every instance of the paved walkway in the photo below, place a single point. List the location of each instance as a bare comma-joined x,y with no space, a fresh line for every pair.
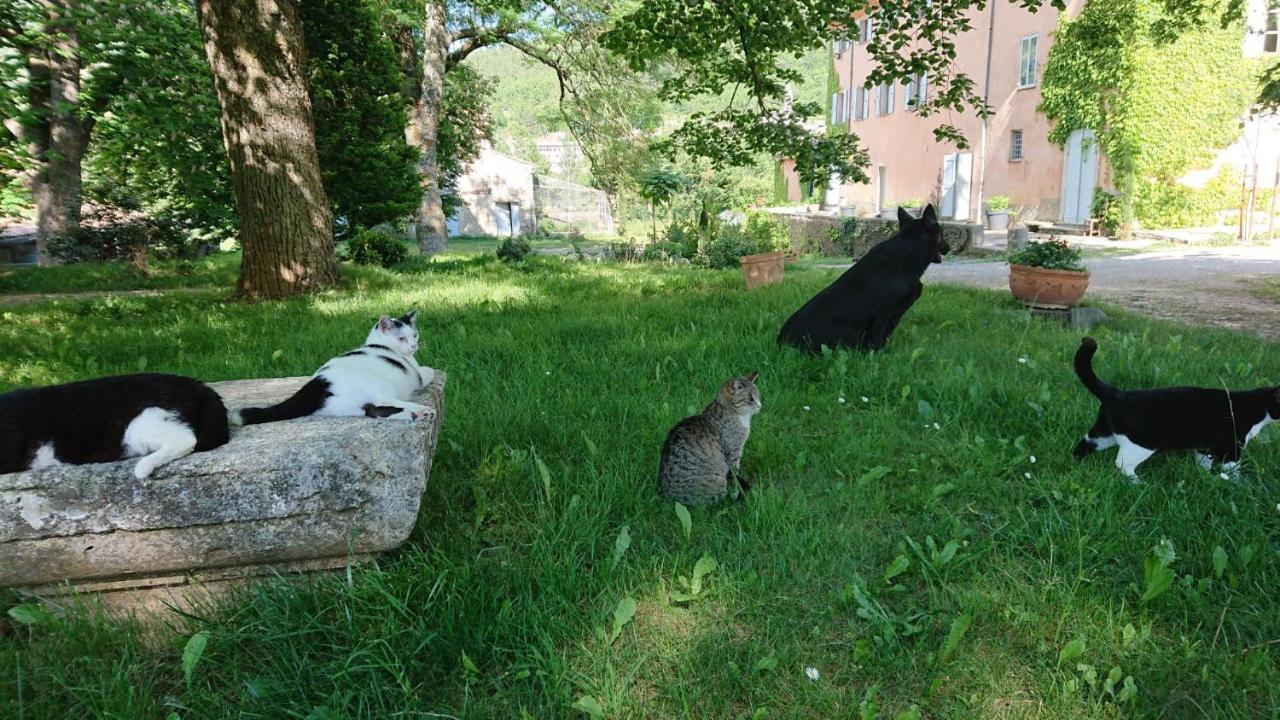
1207,286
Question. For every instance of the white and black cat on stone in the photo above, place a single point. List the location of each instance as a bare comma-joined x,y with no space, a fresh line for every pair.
159,418
1214,423
374,380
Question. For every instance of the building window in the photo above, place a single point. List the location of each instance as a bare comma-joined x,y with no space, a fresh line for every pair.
864,31
884,99
840,47
1015,145
837,108
1027,66
917,91
1271,31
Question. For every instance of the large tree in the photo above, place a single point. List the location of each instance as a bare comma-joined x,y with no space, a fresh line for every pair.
435,36
54,118
256,52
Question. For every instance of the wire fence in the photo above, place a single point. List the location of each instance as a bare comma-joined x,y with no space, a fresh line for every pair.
564,206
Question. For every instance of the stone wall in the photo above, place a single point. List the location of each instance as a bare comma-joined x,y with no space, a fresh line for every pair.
811,233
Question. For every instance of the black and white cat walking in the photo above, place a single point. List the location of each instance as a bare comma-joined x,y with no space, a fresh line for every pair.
159,418
374,380
1216,424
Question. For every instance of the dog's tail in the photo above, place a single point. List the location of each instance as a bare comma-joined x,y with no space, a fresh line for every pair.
1084,369
309,398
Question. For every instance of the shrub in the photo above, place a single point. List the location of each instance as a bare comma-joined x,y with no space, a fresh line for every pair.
1106,209
997,203
729,245
370,247
108,233
765,233
1051,254
514,249
911,203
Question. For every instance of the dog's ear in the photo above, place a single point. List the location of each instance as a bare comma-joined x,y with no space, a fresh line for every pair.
904,217
929,216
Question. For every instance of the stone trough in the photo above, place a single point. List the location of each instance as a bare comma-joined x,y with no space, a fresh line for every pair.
304,494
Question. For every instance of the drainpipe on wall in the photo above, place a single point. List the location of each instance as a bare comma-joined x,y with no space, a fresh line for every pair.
986,99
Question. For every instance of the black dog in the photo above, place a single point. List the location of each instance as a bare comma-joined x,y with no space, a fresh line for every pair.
864,305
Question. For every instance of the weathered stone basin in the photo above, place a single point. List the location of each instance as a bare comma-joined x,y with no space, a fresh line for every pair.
311,492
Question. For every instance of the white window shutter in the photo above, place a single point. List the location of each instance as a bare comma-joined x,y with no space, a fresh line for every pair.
922,88
875,104
909,94
835,108
889,98
848,104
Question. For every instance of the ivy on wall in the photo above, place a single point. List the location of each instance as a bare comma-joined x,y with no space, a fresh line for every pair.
1158,106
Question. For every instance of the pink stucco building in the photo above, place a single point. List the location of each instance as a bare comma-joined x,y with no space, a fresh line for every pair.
1009,152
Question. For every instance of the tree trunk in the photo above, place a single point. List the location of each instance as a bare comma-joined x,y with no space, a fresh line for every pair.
57,138
424,124
257,56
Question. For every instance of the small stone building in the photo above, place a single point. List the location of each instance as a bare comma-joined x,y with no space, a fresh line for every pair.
497,197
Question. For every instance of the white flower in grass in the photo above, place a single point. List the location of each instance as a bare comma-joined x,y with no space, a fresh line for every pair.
1223,476
1033,459
841,399
866,399
806,408
936,426
1026,475
548,372
812,672
1022,360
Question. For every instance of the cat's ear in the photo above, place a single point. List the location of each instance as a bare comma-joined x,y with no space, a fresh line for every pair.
408,317
385,323
904,217
751,376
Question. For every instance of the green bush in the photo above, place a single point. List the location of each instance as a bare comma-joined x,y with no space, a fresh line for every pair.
997,203
370,247
765,233
108,233
730,245
1051,254
1106,209
514,249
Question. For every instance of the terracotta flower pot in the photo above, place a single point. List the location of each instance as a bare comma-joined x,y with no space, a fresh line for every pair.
1041,287
761,269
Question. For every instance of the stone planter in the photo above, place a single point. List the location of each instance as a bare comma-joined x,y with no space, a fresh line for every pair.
761,269
998,219
1044,288
306,493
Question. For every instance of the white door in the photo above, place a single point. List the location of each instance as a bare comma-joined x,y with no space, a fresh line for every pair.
515,219
964,181
502,219
948,190
1079,175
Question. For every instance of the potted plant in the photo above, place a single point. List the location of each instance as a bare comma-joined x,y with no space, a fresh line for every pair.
890,210
768,240
998,212
1048,273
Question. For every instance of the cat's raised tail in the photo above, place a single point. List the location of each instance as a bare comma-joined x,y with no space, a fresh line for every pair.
1084,369
309,398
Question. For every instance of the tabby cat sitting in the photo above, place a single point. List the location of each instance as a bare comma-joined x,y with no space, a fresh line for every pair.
702,453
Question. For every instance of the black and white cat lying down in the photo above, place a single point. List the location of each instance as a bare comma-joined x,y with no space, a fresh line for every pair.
1216,424
157,417
375,380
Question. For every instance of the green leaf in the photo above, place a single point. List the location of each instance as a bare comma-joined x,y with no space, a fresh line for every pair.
545,474
896,568
1129,691
1071,651
468,665
911,713
959,627
620,545
173,716
875,473
589,705
686,521
622,615
1219,561
706,564
765,664
925,409
192,652
31,614
1158,579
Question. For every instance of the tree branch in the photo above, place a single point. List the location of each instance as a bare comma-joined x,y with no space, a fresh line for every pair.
471,45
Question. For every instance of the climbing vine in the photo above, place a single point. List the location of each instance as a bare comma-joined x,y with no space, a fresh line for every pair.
1159,105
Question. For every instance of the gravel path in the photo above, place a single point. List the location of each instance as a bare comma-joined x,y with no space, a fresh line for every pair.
1206,286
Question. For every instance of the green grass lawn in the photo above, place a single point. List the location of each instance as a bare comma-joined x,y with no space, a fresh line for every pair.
918,532
215,271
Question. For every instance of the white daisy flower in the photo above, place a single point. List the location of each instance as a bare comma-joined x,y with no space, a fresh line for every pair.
866,399
841,399
1033,459
1026,475
812,672
936,426
806,407
1022,360
1223,476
